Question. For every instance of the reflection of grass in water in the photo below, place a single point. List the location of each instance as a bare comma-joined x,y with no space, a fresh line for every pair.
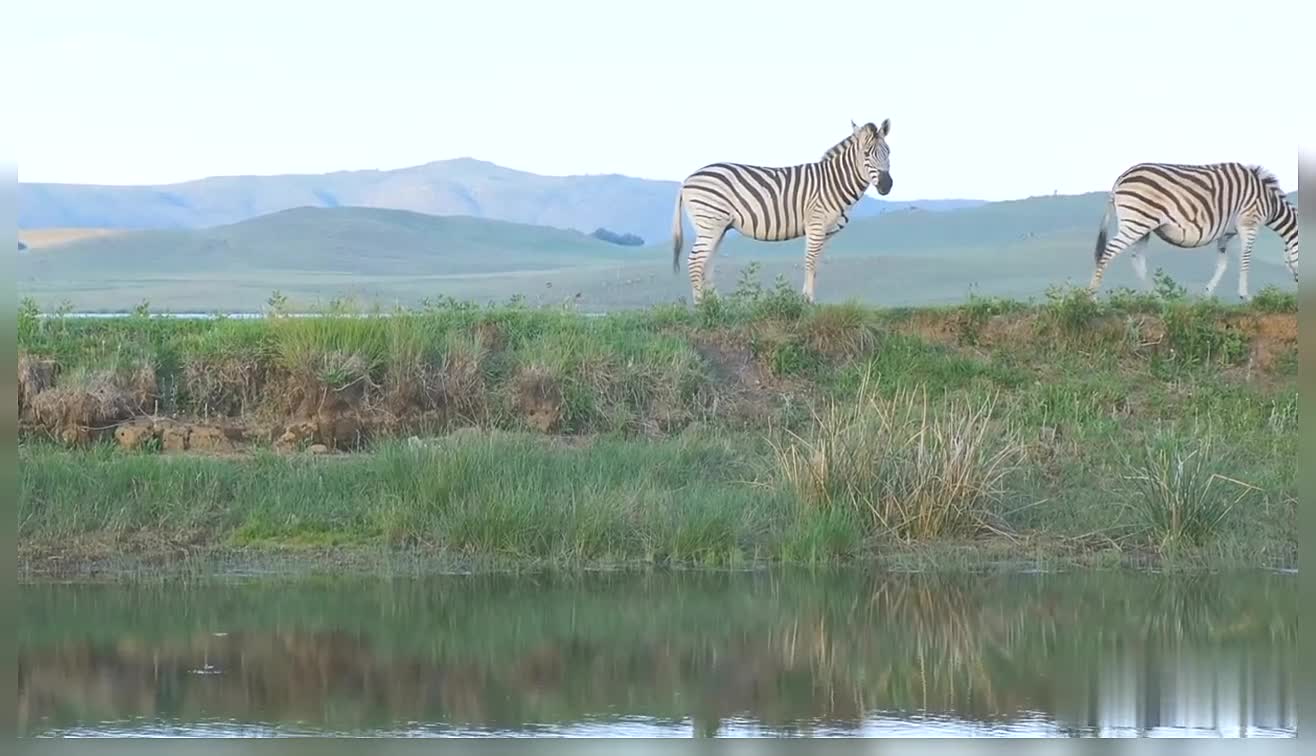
942,625
549,648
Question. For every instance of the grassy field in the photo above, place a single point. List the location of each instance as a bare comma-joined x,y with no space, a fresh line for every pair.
1140,428
390,257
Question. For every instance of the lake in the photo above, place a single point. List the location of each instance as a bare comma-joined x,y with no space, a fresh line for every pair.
662,653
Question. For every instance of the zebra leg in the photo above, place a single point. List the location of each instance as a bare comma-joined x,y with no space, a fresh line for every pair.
1138,257
812,249
1128,235
701,260
709,283
1249,235
1222,262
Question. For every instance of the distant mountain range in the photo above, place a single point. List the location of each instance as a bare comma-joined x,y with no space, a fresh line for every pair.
465,186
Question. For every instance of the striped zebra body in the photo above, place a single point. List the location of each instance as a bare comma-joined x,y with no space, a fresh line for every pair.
1191,206
780,203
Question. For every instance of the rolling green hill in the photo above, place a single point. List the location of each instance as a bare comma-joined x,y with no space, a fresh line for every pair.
355,241
312,255
465,186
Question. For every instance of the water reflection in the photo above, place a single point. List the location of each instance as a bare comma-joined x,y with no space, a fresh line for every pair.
664,655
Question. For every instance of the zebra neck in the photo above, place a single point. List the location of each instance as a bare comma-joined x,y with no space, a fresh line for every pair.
1284,221
851,183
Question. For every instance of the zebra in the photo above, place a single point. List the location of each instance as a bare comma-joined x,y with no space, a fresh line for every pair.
1190,206
780,203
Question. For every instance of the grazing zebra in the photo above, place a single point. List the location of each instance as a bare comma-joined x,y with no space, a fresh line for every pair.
780,203
1192,205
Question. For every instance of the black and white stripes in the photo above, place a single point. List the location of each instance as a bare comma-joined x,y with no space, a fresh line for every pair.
780,203
1191,206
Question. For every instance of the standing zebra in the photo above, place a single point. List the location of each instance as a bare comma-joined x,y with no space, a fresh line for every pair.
1192,205
780,203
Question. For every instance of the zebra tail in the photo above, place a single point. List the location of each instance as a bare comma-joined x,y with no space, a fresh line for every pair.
1101,235
677,235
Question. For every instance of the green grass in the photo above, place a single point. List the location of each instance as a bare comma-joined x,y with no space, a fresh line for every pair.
751,429
514,498
1179,496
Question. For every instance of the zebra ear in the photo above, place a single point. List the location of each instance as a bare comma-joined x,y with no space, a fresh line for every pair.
853,126
885,128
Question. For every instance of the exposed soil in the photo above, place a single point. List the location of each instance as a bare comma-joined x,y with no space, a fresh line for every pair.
34,377
80,415
332,405
747,391
1272,337
539,399
931,327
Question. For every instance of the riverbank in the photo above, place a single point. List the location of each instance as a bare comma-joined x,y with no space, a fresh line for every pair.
1148,429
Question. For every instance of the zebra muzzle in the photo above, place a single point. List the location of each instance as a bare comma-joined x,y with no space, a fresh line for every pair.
884,183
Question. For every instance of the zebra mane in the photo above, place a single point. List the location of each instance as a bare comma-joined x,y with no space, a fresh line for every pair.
844,144
1267,178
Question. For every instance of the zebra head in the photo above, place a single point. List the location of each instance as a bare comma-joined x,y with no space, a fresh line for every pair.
876,153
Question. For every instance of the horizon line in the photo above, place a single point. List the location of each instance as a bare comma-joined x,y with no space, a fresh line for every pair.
470,158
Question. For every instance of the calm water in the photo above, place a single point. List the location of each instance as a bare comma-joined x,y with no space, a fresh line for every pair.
683,655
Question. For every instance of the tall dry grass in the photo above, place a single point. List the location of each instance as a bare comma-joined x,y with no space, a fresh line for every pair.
903,467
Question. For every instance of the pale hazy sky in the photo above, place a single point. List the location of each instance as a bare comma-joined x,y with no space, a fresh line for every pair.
990,100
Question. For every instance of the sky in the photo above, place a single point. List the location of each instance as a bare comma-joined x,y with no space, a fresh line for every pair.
987,100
